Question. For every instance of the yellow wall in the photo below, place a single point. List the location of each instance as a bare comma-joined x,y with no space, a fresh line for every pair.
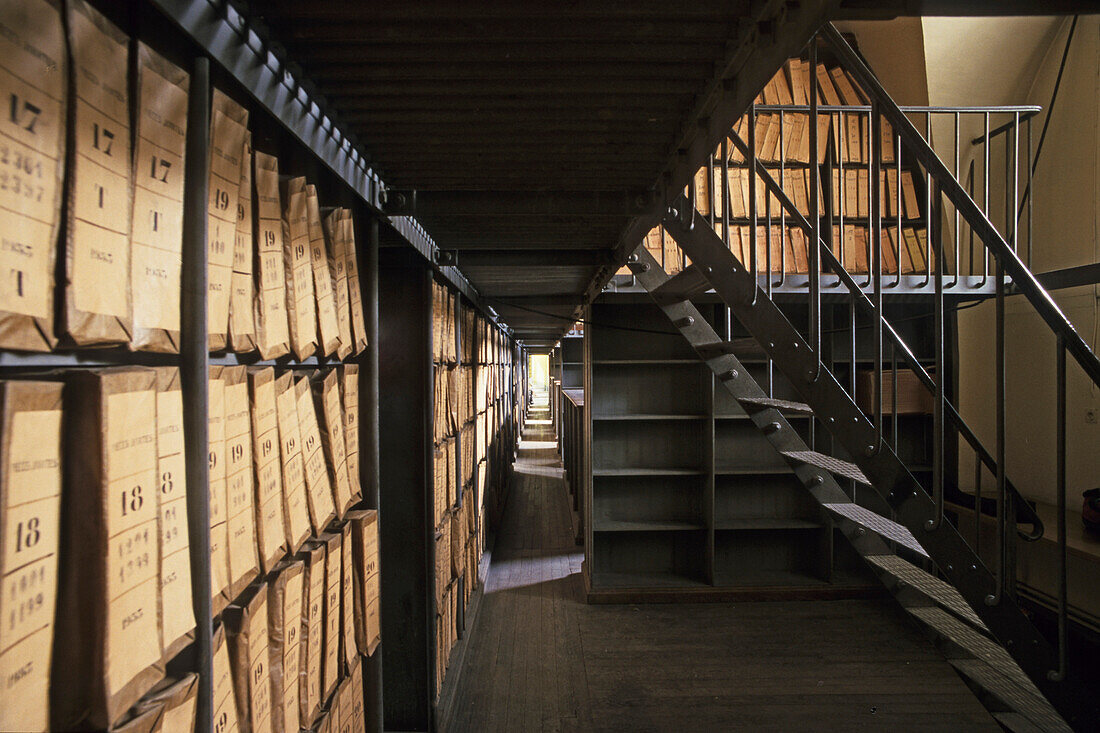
983,61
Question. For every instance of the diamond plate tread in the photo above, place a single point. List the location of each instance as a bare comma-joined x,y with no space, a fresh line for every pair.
830,464
685,285
1016,723
800,408
938,590
887,528
1026,702
974,642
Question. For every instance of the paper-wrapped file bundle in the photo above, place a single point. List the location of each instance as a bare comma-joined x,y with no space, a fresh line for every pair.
107,629
295,503
242,323
301,305
312,644
330,410
34,80
97,247
239,491
226,716
269,310
270,534
156,239
177,618
30,502
286,592
328,329
246,625
228,131
322,509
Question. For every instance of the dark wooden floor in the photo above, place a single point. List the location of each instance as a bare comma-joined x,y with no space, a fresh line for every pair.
540,659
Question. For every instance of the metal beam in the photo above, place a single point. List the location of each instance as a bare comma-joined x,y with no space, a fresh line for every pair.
533,258
513,203
1070,277
775,32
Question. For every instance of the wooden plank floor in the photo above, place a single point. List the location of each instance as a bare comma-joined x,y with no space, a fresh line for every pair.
541,659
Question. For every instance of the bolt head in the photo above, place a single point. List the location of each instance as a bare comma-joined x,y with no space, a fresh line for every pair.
632,258
869,450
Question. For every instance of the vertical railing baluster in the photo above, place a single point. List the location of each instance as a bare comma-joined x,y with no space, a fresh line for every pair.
815,220
1029,193
1002,499
724,187
1060,479
782,210
935,238
985,195
875,145
977,504
869,246
1015,181
894,395
897,203
752,199
955,173
927,203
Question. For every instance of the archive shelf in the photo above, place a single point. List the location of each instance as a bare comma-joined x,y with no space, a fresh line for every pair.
684,494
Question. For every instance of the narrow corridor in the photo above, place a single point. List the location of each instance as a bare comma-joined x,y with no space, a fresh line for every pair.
541,659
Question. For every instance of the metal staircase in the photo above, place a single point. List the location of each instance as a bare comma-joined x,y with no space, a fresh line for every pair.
974,616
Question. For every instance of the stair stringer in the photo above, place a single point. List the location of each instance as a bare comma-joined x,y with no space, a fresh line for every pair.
849,426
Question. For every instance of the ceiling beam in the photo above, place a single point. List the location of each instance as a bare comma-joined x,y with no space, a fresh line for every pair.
533,258
512,203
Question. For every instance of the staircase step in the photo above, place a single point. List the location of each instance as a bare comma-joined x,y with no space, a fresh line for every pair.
830,464
972,642
763,403
1016,723
687,284
928,585
886,528
1021,702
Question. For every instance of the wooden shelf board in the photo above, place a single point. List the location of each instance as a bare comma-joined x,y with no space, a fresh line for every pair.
637,362
766,523
646,416
754,471
620,525
629,472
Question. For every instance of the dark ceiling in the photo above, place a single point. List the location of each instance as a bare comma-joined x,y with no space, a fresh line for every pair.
535,133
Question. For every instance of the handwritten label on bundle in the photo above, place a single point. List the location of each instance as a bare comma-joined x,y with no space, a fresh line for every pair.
30,488
228,127
318,488
32,152
272,327
240,507
242,326
300,302
328,328
157,227
98,249
177,615
295,504
270,534
219,532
